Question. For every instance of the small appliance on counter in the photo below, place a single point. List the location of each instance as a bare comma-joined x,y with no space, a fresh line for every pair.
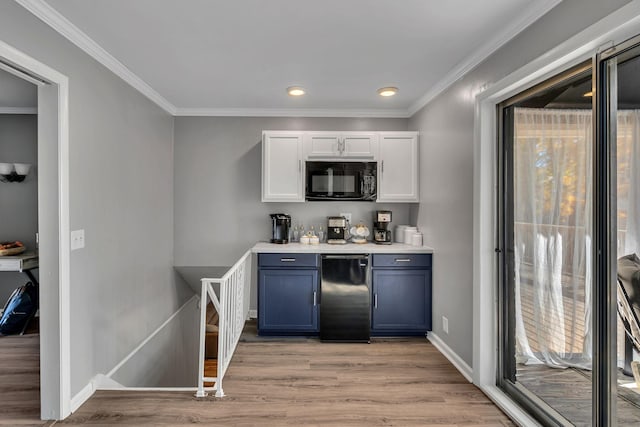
337,230
280,225
359,233
381,231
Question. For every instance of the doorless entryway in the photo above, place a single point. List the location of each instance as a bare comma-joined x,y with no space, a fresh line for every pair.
53,214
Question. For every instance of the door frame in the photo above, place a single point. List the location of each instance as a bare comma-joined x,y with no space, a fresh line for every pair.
611,30
55,271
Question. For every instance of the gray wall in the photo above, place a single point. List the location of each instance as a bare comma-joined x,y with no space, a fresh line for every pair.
218,212
121,192
19,200
170,358
445,213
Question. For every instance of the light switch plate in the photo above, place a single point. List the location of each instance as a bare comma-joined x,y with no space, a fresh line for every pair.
77,239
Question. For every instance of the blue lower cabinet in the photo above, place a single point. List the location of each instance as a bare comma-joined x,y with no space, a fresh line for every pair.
288,302
401,303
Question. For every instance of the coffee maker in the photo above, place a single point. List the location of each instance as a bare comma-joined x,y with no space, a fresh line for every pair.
280,225
337,230
381,231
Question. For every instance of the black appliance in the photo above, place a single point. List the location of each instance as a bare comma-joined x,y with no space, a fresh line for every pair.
337,230
280,225
345,302
341,181
381,230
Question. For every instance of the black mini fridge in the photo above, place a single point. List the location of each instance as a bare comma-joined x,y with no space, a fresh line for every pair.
345,301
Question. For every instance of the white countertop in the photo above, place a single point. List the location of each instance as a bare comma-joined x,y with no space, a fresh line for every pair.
349,248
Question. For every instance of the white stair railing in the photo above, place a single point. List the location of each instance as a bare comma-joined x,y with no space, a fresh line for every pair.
232,306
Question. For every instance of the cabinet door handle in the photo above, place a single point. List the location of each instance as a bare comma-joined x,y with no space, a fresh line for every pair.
299,165
315,298
402,260
375,300
382,166
287,260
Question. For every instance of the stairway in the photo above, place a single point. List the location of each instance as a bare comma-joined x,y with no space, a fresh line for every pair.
211,344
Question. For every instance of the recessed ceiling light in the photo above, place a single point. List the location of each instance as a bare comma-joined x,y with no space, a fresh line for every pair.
387,91
295,91
588,94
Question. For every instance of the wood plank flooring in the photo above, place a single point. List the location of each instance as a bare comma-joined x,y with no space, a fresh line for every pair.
404,382
20,381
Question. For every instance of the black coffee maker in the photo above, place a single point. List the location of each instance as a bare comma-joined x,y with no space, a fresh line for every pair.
381,231
280,225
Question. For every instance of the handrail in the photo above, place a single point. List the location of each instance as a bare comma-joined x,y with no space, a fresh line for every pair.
232,306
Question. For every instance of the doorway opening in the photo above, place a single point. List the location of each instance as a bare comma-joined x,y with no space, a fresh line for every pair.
53,227
20,347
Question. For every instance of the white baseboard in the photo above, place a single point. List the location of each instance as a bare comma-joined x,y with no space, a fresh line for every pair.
452,356
253,314
103,382
82,396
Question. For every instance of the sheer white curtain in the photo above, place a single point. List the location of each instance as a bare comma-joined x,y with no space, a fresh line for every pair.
552,211
628,182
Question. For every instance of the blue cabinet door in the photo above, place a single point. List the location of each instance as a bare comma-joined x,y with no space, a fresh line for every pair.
401,302
287,301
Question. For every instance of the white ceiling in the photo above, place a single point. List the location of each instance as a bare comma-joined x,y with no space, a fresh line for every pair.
237,57
17,95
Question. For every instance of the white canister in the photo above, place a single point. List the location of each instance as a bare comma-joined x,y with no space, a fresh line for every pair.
416,239
400,233
408,234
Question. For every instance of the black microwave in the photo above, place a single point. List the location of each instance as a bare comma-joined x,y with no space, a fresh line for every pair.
341,181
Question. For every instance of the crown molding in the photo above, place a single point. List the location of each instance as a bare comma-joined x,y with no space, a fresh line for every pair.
534,12
62,25
298,112
18,110
42,10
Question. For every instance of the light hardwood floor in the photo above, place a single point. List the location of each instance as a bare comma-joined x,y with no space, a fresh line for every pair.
278,383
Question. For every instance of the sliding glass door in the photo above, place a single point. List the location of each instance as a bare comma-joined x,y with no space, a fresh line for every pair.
545,239
618,78
569,243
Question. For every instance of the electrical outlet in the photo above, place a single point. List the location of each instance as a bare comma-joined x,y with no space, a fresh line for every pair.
77,239
347,215
445,325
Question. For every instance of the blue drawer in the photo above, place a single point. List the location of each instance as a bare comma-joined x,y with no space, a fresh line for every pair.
402,260
288,260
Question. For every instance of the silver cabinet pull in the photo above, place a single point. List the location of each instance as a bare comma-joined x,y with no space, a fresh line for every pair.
315,298
382,166
299,165
403,260
287,260
375,300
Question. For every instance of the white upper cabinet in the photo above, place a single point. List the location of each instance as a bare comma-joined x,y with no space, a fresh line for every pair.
284,154
398,167
282,167
342,145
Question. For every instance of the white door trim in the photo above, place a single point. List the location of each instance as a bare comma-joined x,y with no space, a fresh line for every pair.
613,29
60,349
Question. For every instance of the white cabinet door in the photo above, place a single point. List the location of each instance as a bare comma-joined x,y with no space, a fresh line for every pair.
340,145
398,167
282,167
321,145
360,145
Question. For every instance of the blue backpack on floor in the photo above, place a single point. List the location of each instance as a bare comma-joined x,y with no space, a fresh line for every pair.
20,308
